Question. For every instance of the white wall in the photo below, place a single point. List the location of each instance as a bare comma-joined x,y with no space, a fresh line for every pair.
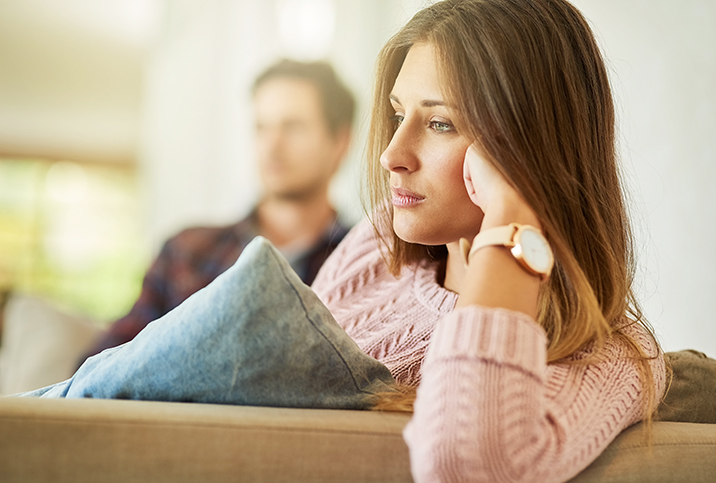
663,66
70,78
197,152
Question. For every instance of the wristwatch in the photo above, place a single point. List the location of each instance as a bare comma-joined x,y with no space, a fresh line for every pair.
526,243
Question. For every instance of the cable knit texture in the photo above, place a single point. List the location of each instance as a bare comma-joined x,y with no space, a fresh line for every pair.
489,407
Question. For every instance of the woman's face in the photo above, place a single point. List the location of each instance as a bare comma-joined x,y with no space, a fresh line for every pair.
425,158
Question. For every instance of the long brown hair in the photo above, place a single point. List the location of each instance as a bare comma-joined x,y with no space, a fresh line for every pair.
531,91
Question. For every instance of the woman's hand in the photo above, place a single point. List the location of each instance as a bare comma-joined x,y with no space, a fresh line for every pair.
495,196
482,180
493,277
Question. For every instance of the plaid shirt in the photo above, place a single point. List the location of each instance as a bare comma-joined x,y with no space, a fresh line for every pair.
191,260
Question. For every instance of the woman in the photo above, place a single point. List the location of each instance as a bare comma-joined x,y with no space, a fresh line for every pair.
490,113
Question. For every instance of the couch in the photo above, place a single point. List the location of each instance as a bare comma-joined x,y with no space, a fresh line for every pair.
77,440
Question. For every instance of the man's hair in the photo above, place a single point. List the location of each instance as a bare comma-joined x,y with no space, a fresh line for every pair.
337,101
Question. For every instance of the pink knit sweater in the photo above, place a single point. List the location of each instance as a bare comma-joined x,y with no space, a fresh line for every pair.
489,407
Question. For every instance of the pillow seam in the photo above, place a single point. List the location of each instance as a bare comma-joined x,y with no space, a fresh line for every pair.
313,324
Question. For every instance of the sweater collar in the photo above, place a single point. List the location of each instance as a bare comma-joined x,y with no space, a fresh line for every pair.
439,299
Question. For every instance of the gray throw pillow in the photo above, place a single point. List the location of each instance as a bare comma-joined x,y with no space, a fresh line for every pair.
691,398
257,335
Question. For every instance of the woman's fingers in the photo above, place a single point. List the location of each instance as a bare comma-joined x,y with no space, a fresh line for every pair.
479,177
467,177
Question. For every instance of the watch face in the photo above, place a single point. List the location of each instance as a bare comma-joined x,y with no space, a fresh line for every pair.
535,250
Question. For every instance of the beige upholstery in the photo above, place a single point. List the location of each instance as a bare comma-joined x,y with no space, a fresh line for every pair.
132,441
679,452
92,440
691,397
41,345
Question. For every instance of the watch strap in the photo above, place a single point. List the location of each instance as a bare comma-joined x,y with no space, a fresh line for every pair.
498,235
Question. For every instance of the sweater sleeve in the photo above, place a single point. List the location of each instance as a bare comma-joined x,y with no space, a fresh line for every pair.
490,408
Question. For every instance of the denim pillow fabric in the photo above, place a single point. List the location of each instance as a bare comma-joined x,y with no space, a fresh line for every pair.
255,336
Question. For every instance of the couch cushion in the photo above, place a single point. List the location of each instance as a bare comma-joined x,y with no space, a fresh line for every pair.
83,440
691,397
677,452
257,335
71,440
41,344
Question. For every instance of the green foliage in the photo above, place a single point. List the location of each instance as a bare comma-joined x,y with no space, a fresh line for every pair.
71,233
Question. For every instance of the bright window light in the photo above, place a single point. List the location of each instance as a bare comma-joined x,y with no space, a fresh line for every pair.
306,27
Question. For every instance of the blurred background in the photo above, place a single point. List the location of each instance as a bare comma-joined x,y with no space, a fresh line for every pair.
123,121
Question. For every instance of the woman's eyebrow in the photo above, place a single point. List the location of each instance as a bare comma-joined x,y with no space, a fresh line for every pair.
424,103
432,103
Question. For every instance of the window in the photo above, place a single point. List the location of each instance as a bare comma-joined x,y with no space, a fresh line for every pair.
71,232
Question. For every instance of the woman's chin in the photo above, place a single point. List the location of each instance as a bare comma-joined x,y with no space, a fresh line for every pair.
413,234
405,233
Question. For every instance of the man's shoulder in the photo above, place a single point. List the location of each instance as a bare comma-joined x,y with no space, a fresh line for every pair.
205,237
198,233
337,232
359,250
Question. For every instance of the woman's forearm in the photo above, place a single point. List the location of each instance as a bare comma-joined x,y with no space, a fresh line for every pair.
494,278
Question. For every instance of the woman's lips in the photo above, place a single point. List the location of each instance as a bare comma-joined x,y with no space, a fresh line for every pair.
403,198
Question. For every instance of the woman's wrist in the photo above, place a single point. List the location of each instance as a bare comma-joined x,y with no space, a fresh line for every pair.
509,210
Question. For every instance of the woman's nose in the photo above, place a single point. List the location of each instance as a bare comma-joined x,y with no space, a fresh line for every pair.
400,155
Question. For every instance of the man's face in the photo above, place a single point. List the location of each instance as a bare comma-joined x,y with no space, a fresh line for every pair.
297,153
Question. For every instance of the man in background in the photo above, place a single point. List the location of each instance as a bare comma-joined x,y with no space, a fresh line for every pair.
303,115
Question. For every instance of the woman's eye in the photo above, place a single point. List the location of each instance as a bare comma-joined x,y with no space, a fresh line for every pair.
439,126
397,120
